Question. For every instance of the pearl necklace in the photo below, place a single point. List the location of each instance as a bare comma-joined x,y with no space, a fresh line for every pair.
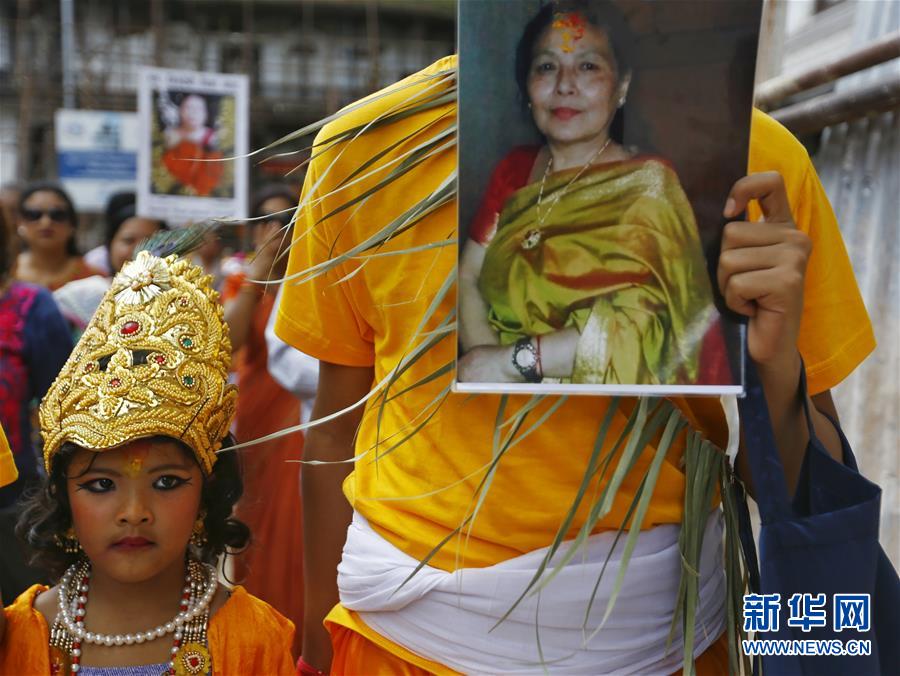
196,588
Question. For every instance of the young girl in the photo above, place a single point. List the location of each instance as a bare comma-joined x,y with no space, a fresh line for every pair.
136,507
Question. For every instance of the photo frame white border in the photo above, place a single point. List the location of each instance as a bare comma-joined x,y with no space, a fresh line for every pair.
180,209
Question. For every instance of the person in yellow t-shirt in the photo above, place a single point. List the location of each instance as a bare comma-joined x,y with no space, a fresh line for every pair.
790,275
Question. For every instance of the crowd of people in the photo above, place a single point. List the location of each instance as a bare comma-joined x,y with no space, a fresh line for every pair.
145,372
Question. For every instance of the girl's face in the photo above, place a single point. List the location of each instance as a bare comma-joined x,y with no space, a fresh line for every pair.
44,222
280,214
134,507
573,85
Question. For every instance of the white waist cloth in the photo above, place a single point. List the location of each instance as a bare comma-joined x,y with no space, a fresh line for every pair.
447,617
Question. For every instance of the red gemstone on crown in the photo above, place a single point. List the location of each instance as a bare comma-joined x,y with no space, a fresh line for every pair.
160,358
129,328
89,367
115,382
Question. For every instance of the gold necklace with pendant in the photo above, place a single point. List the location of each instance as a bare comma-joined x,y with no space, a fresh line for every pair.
533,236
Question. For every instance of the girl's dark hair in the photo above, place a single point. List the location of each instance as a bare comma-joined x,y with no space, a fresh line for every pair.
271,191
46,514
602,14
31,188
119,208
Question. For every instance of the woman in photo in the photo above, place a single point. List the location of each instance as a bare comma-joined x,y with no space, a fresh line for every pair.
583,263
190,141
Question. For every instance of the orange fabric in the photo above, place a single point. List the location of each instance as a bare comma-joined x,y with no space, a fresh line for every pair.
234,649
358,649
203,176
8,471
271,568
25,645
376,656
355,654
249,636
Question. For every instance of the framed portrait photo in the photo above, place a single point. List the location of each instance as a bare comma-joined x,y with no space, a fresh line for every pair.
191,159
598,143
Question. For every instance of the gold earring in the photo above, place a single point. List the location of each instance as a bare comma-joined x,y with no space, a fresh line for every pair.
68,542
198,532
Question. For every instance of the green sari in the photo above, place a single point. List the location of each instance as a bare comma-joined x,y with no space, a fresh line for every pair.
619,258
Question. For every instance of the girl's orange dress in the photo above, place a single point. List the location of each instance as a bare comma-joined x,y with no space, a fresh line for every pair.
246,636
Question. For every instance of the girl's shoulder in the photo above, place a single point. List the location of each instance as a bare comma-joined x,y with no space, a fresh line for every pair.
241,607
23,649
237,649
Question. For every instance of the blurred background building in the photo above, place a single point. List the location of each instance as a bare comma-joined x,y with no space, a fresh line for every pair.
304,59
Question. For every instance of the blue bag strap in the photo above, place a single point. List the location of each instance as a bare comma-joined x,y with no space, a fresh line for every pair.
766,470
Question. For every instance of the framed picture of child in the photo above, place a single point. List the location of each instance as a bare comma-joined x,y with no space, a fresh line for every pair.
598,143
194,131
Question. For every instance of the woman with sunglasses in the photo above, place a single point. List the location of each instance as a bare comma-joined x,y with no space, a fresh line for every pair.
271,501
47,226
34,344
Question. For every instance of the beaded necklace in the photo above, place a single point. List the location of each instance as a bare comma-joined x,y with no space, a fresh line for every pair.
189,655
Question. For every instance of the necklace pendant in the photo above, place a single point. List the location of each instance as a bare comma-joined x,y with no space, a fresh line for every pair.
60,661
192,659
531,239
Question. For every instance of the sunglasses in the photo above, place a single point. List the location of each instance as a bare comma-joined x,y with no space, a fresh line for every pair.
55,215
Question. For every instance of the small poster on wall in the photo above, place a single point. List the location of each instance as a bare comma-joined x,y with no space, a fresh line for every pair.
598,142
96,152
193,143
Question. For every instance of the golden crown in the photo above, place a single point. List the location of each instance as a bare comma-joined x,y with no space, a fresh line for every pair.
154,360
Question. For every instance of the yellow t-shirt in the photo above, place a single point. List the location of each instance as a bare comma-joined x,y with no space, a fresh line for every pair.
424,488
8,471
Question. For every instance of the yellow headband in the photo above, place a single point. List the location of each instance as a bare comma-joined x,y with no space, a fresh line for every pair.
154,360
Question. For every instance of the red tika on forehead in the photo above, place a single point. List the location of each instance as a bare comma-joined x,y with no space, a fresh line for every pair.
572,26
136,457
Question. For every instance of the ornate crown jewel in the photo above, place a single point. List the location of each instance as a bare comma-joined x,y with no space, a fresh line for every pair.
154,360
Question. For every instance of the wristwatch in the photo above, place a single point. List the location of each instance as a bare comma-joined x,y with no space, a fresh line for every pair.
525,359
